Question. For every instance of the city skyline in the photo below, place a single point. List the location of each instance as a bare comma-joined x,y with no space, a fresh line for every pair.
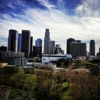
65,19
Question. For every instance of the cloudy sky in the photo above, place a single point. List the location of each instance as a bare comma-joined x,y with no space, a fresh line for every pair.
78,19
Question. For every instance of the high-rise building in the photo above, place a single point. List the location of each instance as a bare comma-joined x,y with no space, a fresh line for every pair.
92,47
58,50
38,42
26,42
31,46
13,40
46,41
68,45
51,47
19,42
37,51
77,49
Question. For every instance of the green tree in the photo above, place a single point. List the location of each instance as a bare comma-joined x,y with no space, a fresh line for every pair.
47,89
17,79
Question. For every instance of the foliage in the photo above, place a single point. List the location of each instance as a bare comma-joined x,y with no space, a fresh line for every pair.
8,70
22,80
21,94
95,70
66,96
1,70
63,62
29,70
17,79
77,64
61,77
92,65
47,89
4,78
54,86
85,87
66,92
29,82
13,94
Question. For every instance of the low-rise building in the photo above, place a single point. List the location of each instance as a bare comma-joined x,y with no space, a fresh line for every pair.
15,61
6,54
49,58
13,58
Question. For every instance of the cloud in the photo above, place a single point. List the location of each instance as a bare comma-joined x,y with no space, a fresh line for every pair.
3,41
46,4
89,8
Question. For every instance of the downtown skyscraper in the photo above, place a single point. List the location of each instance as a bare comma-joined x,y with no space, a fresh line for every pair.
13,40
51,47
38,42
77,49
68,45
31,46
46,41
92,47
26,36
19,42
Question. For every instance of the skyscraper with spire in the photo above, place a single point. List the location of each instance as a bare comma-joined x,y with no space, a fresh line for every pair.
46,41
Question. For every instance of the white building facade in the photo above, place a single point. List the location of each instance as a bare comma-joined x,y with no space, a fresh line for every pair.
56,57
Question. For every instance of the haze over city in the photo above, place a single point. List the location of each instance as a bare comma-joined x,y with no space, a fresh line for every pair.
77,19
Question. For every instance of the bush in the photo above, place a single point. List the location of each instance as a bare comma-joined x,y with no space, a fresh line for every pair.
10,70
29,70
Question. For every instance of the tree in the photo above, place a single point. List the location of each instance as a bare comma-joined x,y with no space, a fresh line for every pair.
62,62
85,87
47,89
17,79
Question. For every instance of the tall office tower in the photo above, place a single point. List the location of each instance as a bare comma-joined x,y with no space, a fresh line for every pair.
13,40
26,42
92,47
19,42
46,41
68,45
31,46
38,42
51,47
78,49
37,51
